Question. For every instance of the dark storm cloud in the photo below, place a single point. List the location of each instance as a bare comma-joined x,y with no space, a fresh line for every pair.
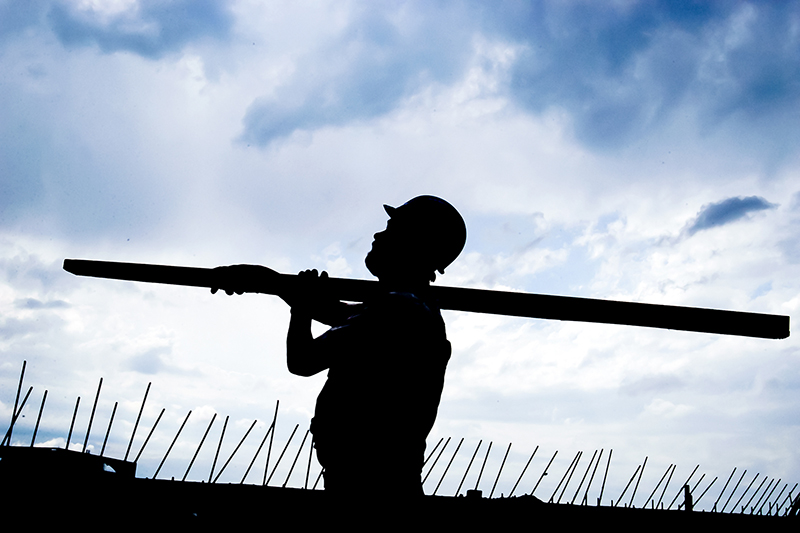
16,16
154,28
366,72
727,211
620,69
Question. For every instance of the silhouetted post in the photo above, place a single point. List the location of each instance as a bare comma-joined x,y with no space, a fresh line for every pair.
468,467
72,424
164,459
687,498
197,451
704,492
91,417
685,483
665,487
136,425
150,434
235,450
15,417
523,472
108,431
38,418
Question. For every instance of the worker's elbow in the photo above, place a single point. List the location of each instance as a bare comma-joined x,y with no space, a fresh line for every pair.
299,370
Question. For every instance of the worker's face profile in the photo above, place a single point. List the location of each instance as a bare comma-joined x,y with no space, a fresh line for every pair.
393,249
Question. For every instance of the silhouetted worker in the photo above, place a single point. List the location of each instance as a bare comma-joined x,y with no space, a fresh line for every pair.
386,358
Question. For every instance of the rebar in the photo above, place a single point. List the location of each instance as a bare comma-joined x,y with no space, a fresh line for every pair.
448,465
591,478
436,460
272,437
219,446
544,473
136,425
628,485
501,469
575,467
15,417
300,449
569,468
38,418
221,470
523,472
636,487
665,487
16,403
704,492
714,508
656,487
735,505
683,485
267,434
583,478
603,486
72,424
91,417
197,451
745,506
432,452
480,474
283,452
464,477
310,455
150,434
164,459
767,498
108,430
733,492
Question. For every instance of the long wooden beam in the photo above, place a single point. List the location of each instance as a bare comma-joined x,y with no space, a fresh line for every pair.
480,301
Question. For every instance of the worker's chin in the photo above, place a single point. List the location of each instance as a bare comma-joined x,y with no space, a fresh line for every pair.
372,263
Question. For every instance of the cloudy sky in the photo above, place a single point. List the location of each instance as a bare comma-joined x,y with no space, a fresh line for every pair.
638,151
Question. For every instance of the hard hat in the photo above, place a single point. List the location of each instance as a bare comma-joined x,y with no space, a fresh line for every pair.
438,224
